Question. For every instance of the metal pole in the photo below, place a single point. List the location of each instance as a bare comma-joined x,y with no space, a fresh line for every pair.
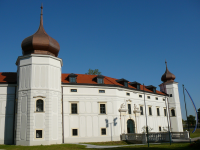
186,109
168,120
146,118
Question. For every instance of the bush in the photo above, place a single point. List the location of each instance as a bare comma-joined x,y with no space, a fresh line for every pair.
195,144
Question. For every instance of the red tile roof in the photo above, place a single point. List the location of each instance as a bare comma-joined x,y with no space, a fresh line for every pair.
11,78
8,77
88,79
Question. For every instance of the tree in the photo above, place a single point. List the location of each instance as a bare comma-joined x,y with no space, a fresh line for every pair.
93,72
191,120
198,115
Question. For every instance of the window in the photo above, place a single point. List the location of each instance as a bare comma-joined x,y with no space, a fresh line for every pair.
129,108
138,86
148,97
163,99
140,96
74,132
72,79
100,80
154,90
150,111
158,112
38,133
74,108
165,112
102,108
141,110
172,112
126,84
101,91
159,128
39,105
156,98
103,131
128,94
170,95
73,90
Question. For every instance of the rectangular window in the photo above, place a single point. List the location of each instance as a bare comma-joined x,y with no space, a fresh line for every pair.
170,95
102,108
99,80
101,91
126,84
138,86
72,79
140,96
129,108
38,133
156,98
74,132
172,112
158,112
73,90
150,111
163,99
128,94
141,110
74,108
148,97
159,128
103,131
165,112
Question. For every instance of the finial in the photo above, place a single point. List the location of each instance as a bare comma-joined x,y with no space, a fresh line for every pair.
41,9
166,63
41,16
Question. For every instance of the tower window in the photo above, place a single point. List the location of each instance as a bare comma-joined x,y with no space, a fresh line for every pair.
163,99
39,105
141,110
38,133
129,108
170,95
172,112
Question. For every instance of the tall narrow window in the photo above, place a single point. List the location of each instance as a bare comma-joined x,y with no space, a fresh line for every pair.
165,112
39,105
172,112
159,128
129,108
74,108
102,108
141,110
150,111
158,112
126,84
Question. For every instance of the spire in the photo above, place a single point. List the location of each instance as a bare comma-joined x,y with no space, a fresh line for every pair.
41,16
167,76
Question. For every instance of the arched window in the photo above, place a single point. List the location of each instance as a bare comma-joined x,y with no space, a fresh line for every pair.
172,112
39,105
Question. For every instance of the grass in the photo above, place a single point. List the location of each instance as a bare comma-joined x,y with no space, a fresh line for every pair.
195,134
109,143
166,146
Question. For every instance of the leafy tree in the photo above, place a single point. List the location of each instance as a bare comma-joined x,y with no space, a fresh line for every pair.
93,72
191,120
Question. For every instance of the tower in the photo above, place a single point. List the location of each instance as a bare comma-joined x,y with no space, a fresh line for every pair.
38,112
170,87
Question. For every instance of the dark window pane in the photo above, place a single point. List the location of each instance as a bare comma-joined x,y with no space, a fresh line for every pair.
126,84
129,108
72,79
159,128
173,112
140,95
73,90
150,112
148,97
39,105
138,86
38,133
154,90
158,112
165,112
103,131
74,132
74,108
102,108
101,91
99,80
128,94
170,95
156,98
141,109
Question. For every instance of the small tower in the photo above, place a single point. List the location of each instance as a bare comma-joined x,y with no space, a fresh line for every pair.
170,87
38,112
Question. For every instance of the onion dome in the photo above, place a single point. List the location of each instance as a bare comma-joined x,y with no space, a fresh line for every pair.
167,76
40,42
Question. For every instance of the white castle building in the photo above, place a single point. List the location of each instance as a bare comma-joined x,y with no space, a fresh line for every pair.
40,105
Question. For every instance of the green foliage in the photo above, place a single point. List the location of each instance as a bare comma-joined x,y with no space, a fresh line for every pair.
93,72
195,134
191,120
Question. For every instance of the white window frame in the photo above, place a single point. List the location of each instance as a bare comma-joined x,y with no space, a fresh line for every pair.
74,102
36,105
105,108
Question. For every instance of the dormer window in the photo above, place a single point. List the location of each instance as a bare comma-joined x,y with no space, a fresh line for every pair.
72,78
99,79
122,81
151,88
135,84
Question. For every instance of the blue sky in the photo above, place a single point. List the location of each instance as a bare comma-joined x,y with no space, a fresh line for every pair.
122,38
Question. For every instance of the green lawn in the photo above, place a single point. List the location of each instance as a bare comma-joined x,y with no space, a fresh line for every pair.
174,146
195,134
